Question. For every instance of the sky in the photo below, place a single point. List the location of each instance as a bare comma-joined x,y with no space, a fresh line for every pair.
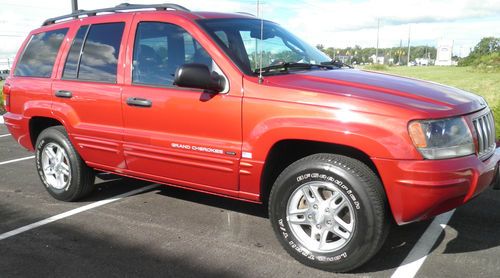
328,22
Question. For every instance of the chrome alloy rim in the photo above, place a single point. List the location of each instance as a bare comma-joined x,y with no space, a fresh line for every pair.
55,166
321,216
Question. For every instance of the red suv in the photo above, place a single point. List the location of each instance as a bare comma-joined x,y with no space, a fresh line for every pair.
236,106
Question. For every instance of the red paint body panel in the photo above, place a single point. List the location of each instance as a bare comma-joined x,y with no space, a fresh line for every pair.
363,110
185,117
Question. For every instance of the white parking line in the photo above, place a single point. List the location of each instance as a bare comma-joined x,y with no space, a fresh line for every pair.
420,251
74,211
4,135
17,159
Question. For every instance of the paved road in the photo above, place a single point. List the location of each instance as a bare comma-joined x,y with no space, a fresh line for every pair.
168,232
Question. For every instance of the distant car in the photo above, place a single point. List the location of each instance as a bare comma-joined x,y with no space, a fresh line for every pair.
4,74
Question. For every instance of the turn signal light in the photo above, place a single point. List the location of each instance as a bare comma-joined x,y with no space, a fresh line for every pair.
417,135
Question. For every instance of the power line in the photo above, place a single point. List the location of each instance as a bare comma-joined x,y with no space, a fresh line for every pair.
12,36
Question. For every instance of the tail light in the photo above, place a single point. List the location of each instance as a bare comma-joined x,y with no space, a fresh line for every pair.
6,96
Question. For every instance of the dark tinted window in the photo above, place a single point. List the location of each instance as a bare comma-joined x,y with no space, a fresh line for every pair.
100,52
71,66
40,54
160,48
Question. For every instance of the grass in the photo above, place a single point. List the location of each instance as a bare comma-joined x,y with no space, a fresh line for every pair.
377,67
485,84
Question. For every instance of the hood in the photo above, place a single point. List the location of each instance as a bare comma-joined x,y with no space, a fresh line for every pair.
395,90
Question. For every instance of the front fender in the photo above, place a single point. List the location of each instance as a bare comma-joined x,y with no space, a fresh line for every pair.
385,138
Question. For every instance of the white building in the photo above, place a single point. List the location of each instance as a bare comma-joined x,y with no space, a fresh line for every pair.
423,61
377,60
444,53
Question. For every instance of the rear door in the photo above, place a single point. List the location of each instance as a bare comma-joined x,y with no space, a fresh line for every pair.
178,135
88,94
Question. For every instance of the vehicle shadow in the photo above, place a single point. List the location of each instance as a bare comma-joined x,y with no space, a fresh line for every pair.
475,226
66,250
400,241
215,201
110,185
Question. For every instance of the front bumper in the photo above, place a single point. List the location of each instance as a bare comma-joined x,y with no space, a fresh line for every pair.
421,189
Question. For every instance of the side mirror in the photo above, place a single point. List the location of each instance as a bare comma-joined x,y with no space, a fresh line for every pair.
198,76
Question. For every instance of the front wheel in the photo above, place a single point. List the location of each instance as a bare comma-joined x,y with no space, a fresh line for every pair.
329,212
61,169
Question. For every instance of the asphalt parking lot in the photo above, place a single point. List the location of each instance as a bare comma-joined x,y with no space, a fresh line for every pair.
168,232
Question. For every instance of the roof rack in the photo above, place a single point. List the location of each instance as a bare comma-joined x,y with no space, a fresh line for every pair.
116,9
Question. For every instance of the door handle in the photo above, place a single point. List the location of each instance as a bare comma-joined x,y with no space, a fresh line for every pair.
64,94
139,102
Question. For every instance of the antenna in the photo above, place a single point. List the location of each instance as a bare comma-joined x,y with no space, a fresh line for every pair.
259,14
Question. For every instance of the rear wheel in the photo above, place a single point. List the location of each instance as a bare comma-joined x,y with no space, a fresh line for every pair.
61,169
329,212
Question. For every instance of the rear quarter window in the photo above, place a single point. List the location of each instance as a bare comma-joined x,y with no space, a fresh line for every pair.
40,54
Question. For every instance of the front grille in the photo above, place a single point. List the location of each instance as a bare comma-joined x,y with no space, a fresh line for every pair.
485,131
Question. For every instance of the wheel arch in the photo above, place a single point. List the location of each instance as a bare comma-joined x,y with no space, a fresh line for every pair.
285,152
37,124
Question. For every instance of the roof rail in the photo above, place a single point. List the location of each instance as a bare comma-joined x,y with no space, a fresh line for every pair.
116,9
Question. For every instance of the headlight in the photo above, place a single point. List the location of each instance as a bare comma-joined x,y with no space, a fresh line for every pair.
440,139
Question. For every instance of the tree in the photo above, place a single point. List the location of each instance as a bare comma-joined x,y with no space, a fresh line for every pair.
489,46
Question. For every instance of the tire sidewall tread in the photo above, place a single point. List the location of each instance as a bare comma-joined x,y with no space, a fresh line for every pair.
82,177
361,184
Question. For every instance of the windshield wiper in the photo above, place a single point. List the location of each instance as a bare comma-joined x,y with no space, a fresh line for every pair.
338,64
284,67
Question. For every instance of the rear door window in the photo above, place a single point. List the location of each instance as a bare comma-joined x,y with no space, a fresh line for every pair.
40,54
99,61
93,56
71,66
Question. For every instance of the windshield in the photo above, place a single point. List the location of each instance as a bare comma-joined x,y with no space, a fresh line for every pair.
241,40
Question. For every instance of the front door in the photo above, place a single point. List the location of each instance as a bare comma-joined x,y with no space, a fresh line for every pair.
172,134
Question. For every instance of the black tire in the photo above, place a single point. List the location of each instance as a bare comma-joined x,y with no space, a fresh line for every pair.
81,180
362,189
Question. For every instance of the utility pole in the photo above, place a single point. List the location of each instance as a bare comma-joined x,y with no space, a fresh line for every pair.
378,33
74,6
8,63
409,36
400,51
